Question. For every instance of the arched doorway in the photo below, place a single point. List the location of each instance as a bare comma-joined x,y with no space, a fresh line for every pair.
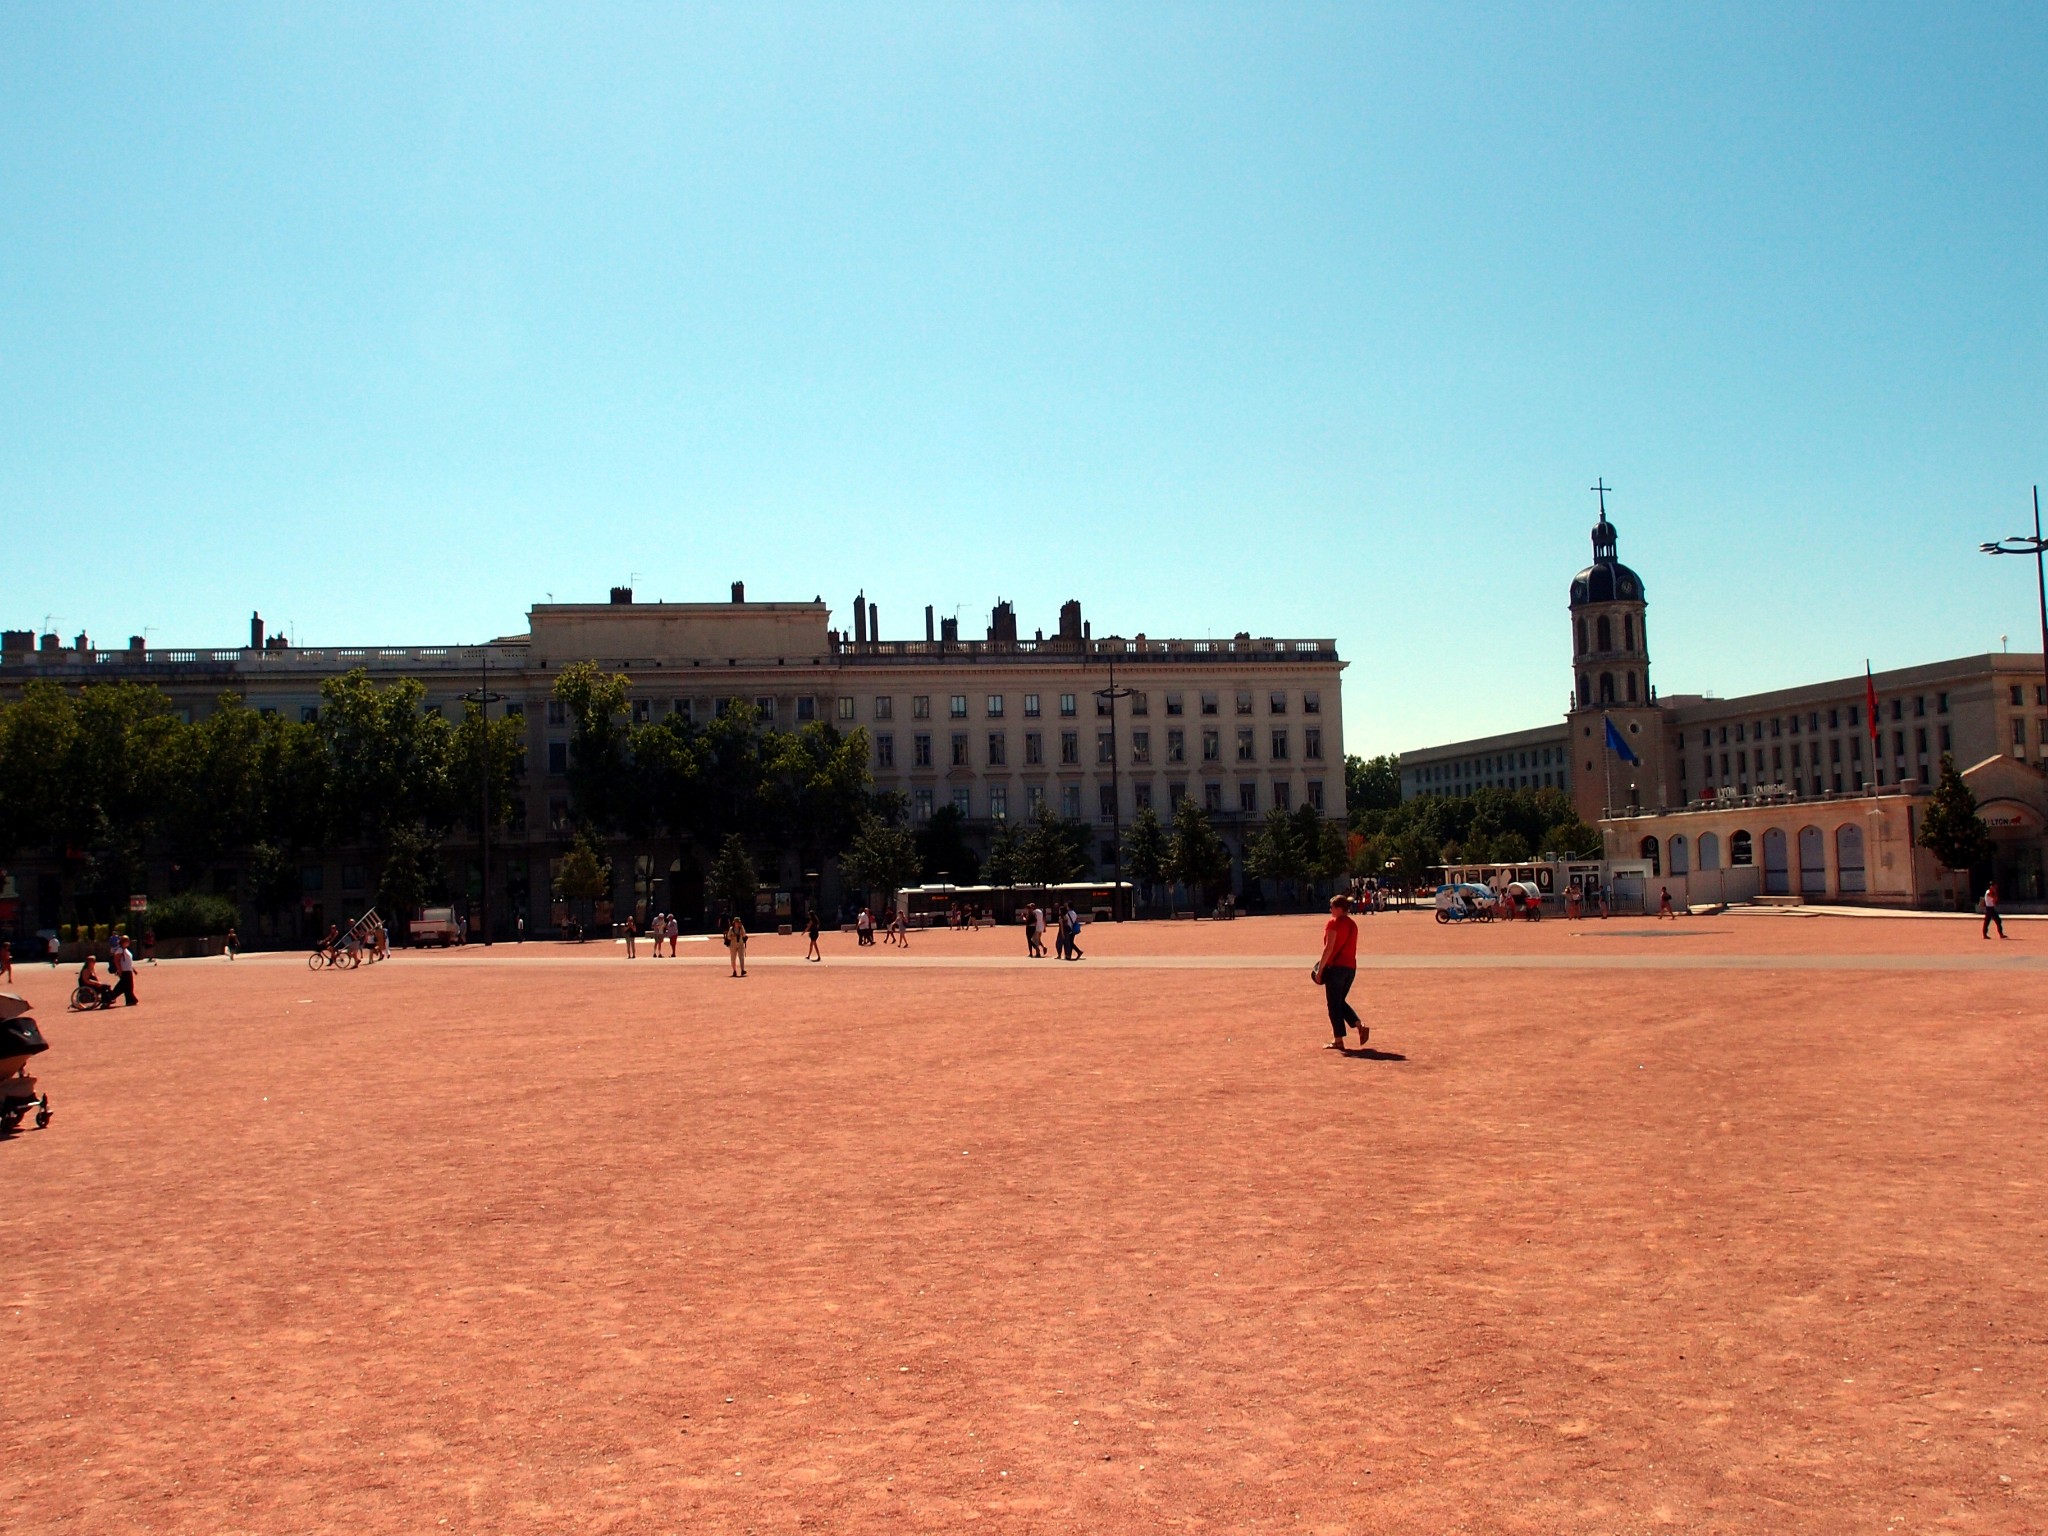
1680,863
1741,851
1648,850
1849,859
1710,851
1777,873
1813,867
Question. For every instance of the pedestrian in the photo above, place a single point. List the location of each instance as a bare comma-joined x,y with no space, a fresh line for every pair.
864,928
1990,908
149,944
1337,969
811,936
6,961
232,942
1032,921
736,945
519,929
123,962
50,947
1073,933
632,953
900,923
1664,905
1603,903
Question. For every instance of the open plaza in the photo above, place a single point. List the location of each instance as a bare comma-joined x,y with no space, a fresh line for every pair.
1724,1224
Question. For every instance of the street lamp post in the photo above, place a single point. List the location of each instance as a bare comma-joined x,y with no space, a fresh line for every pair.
483,699
2021,544
1116,792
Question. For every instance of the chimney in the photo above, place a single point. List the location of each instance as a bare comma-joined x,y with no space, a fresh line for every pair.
874,624
860,618
136,646
17,642
927,623
949,631
83,642
1070,620
255,632
1002,624
739,591
50,645
622,595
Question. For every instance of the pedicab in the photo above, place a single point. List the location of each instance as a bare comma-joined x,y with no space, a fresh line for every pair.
1465,903
1521,898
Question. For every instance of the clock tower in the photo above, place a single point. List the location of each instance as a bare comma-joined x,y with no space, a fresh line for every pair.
1611,686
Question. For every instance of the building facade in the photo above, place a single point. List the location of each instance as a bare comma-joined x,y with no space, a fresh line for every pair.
992,727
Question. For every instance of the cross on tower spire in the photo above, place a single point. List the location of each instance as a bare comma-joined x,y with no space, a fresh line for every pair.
1603,488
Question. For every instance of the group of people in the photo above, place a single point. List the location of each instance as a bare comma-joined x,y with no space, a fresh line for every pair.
1068,939
364,941
662,927
894,926
121,963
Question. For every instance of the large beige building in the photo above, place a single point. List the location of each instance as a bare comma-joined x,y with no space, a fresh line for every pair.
992,726
1702,761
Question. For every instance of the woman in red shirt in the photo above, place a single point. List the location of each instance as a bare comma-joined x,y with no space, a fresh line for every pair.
1337,969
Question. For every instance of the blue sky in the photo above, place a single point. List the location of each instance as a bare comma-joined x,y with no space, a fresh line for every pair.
1297,320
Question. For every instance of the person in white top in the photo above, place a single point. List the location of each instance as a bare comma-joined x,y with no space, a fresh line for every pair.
122,962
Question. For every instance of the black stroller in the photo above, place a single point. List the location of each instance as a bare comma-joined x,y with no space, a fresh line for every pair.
19,1040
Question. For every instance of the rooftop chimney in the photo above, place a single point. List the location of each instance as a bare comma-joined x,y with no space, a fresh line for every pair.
136,645
622,595
83,643
739,591
1070,620
255,631
1002,624
874,624
860,618
16,641
949,631
928,637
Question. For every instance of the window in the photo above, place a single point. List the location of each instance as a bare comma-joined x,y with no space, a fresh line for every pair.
1176,746
1739,851
1173,704
806,709
1070,748
1066,706
1280,745
1276,703
1208,703
1739,732
1175,793
1855,714
963,800
1311,703
1899,708
1212,795
558,814
998,749
1312,744
960,749
1031,706
1315,793
1941,703
1920,704
1212,746
1834,719
1034,748
921,707
956,707
558,756
1034,800
1141,796
312,877
845,709
1070,801
1776,722
1140,705
995,706
1141,746
885,751
1101,706
921,805
558,713
518,711
2019,732
1945,740
1244,701
1283,795
765,708
1248,797
1105,747
999,802
885,709
1105,802
1246,752
1920,739
2015,691
921,750
308,713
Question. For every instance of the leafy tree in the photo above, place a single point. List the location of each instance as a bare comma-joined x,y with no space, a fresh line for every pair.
882,857
413,875
273,882
1276,851
1145,849
732,883
600,787
585,875
1002,855
1196,856
1372,783
388,759
1951,829
191,915
813,788
1051,850
943,849
485,752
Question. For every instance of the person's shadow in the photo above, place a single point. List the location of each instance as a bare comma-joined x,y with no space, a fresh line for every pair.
1367,1053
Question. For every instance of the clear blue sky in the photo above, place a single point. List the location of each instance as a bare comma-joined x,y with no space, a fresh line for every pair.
1304,321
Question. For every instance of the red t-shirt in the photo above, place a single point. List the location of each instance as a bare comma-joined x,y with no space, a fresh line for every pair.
1345,931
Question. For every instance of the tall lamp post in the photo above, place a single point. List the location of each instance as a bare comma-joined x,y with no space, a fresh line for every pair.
1116,789
483,699
2021,544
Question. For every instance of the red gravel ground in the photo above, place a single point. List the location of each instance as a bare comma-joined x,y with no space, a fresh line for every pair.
1732,1224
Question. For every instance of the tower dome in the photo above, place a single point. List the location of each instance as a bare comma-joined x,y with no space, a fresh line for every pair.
1606,580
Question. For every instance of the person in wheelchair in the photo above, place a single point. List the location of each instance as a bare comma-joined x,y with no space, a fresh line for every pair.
91,992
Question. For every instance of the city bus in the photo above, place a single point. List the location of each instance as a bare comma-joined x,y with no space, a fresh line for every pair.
1098,901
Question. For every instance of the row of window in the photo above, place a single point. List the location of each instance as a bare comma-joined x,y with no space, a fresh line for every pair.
994,706
1789,725
1604,634
924,800
996,753
1783,855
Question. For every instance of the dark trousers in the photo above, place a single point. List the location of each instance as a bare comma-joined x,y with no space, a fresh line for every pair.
1337,981
123,987
1991,916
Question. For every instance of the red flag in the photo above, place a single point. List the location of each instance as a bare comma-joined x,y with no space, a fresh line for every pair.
1870,698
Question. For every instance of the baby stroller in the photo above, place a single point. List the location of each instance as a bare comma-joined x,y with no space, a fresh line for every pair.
19,1040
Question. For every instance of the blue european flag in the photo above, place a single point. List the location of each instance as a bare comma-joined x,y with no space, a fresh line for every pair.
1617,745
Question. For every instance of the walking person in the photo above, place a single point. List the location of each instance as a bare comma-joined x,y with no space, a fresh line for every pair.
123,964
232,943
632,953
811,936
149,945
1990,907
50,947
864,928
1664,905
1073,921
1337,969
736,944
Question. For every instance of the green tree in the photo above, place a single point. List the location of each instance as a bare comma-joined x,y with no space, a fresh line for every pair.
600,779
1196,856
882,857
486,752
1050,850
413,875
1276,852
585,875
732,882
388,758
1951,829
943,849
1372,783
1002,855
1145,850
